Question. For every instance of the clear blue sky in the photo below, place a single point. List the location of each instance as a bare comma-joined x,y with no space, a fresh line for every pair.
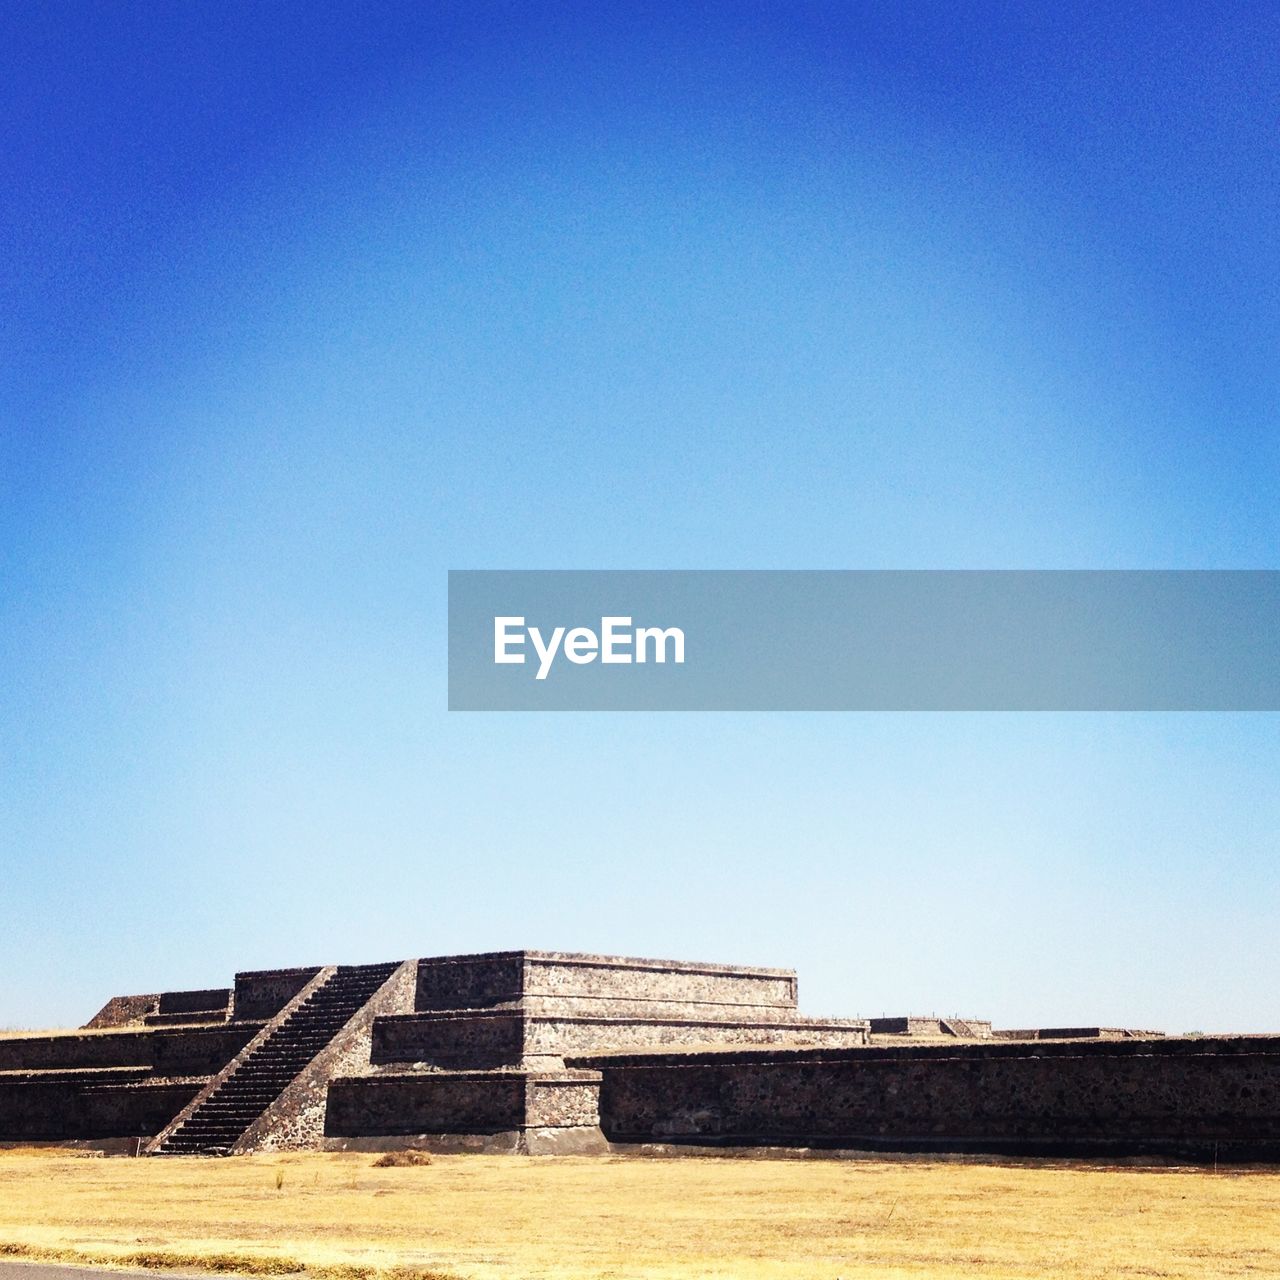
302,305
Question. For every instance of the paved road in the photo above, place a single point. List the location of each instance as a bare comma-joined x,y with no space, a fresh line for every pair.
60,1271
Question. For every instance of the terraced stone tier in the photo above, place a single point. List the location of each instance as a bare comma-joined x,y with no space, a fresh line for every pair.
422,1104
209,1000
505,977
189,1051
1077,1033
201,1017
612,1006
76,1109
485,1038
956,1028
123,1011
1196,1097
77,1075
260,994
177,1008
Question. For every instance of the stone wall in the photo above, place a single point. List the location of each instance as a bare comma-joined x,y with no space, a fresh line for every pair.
210,1000
123,1011
1076,1033
967,1028
101,1049
905,1026
676,1010
261,993
470,982
425,1103
480,981
68,1110
191,1051
489,1035
528,1047
422,1104
559,1037
481,1038
561,1100
199,1051
512,1037
1198,1098
108,1084
618,977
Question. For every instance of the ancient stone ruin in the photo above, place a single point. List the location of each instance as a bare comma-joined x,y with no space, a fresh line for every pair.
544,1052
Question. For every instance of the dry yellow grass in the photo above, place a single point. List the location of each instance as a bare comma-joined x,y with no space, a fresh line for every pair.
506,1218
42,1033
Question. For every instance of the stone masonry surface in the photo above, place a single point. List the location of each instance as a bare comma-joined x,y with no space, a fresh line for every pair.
512,1037
486,1043
500,977
552,1051
1196,1097
295,1121
122,1011
261,994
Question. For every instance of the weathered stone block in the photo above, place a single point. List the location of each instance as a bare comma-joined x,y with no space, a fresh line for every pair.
49,1111
199,1051
191,1051
1180,1096
212,999
425,1103
478,1038
123,1011
101,1049
484,1038
261,993
480,981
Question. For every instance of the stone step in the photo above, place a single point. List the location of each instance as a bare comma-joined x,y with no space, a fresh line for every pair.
246,1097
244,1102
224,1116
235,1106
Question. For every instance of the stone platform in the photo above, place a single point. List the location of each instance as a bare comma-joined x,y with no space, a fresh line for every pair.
544,1051
1202,1098
481,1059
449,1051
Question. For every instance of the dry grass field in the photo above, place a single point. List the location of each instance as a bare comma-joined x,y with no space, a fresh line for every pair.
505,1218
24,1033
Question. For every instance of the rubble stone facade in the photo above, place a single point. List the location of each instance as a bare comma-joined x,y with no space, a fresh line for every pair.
535,1051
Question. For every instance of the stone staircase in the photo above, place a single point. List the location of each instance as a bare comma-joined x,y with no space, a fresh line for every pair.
217,1120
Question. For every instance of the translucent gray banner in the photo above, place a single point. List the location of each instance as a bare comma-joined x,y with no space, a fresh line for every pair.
1090,640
